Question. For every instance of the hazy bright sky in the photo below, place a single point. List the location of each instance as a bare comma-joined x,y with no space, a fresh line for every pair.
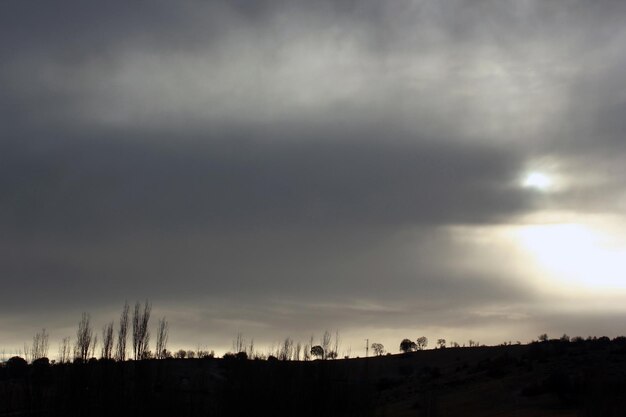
390,169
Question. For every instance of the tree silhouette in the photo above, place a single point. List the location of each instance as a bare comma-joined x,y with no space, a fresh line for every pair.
407,345
325,343
161,341
65,350
317,351
422,342
84,337
122,335
40,345
378,349
141,333
107,341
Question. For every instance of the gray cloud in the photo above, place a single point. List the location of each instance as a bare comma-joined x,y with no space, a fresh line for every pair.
300,161
102,186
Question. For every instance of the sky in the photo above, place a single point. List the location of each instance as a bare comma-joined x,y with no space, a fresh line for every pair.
390,170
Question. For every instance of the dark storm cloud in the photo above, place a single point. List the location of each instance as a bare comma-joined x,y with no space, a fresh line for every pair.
108,186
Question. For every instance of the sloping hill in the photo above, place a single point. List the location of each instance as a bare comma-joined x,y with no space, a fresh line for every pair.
552,378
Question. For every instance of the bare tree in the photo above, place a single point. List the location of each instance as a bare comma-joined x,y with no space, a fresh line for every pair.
107,341
306,352
94,346
122,335
239,343
84,337
441,343
336,344
297,351
28,352
325,343
65,350
161,341
40,345
251,353
141,332
286,350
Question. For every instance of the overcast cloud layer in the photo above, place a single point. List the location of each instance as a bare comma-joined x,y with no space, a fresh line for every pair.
280,168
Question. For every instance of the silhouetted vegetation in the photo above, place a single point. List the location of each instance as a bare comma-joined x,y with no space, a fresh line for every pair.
558,376
582,375
122,334
141,331
407,346
378,349
84,338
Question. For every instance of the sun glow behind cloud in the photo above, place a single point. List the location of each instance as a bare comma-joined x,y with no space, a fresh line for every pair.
538,180
577,255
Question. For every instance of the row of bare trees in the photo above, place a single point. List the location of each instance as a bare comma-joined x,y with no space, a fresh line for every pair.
86,341
39,347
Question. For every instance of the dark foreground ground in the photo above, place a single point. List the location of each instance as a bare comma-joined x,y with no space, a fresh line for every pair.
542,379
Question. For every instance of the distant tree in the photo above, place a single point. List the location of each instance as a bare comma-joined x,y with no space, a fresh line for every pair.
331,355
205,354
239,344
422,342
84,338
141,332
378,349
40,345
161,340
286,350
407,345
122,335
297,351
181,354
441,343
543,337
107,341
65,350
17,366
325,343
94,345
317,351
565,338
250,350
336,344
41,362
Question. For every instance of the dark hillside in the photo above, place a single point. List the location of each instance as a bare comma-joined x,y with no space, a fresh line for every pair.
553,378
